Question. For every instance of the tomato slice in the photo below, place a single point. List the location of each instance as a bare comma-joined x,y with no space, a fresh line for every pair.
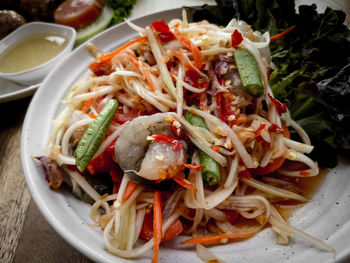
78,13
102,163
271,167
174,229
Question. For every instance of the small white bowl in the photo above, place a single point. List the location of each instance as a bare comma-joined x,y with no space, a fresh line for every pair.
37,74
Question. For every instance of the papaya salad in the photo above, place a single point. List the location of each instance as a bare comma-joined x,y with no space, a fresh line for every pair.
184,136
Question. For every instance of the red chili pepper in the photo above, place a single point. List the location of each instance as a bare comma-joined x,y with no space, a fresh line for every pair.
179,132
164,33
223,100
160,26
236,38
193,166
262,126
275,128
192,78
166,36
281,108
261,139
165,138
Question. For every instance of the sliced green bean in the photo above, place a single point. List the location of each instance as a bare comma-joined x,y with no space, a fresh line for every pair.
195,120
211,168
249,72
94,135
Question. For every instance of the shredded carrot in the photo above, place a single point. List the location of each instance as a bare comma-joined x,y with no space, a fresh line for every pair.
282,34
133,58
130,189
217,239
145,70
87,105
104,58
157,224
197,54
93,116
148,77
90,169
172,76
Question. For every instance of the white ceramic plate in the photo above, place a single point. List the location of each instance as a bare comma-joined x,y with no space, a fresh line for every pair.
13,91
326,217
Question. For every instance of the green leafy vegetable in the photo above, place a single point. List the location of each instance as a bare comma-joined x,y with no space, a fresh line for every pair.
312,62
122,9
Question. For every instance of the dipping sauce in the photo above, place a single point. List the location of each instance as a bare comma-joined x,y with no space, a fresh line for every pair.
32,51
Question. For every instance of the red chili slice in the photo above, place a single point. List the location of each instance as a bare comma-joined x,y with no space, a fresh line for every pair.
165,138
280,108
166,36
258,131
236,38
160,26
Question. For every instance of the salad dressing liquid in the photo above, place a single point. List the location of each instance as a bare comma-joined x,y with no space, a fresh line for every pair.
308,186
32,51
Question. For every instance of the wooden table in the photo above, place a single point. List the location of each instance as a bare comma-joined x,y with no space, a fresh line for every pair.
25,236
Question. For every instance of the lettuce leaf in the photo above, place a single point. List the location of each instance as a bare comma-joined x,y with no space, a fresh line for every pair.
122,9
312,73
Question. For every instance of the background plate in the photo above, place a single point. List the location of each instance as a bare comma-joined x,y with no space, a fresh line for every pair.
326,217
10,90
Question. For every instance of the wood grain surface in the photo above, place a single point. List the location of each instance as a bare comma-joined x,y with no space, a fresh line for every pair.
25,236
13,192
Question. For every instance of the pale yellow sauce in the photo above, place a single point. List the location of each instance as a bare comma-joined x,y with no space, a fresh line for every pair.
32,51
